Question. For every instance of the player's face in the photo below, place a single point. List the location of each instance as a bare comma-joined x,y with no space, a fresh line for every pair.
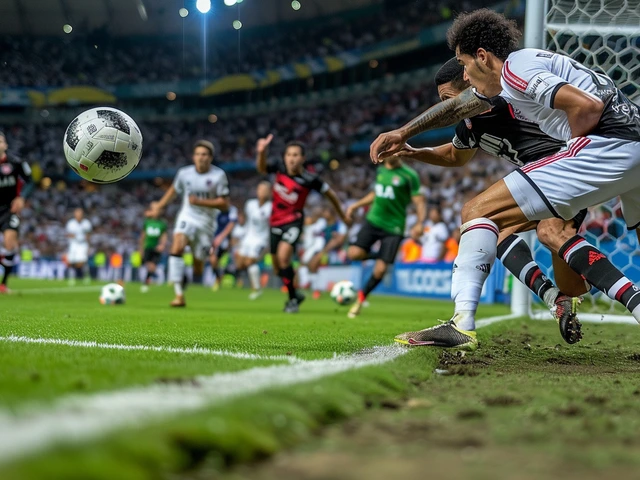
293,158
447,91
202,159
78,214
3,146
263,192
480,73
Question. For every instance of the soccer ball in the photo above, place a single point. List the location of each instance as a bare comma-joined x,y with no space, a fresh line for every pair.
112,294
103,145
344,293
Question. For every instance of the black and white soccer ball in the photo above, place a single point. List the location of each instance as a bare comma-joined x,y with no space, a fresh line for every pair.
103,145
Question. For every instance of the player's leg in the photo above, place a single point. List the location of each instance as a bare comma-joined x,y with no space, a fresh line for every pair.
284,257
8,256
214,261
314,266
176,267
252,252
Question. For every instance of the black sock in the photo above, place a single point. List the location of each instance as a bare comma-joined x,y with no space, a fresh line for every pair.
515,255
372,283
7,262
287,275
149,277
596,269
79,273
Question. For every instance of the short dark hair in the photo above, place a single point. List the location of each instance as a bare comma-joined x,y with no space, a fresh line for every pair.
296,143
452,72
206,144
486,29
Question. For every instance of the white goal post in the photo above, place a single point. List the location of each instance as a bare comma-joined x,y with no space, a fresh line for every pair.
605,35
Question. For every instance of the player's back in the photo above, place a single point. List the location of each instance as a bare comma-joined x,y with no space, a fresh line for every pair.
531,78
208,185
257,217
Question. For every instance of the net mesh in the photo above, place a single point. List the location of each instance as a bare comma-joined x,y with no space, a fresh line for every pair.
603,35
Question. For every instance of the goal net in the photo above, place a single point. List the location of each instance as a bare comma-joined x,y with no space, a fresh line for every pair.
603,35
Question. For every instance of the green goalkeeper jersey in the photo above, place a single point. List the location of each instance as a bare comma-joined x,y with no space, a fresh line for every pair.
153,230
394,189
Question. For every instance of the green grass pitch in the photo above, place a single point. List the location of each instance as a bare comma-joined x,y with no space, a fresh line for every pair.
524,405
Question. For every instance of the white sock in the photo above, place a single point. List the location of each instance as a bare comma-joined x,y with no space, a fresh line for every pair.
313,278
477,252
176,273
303,275
254,276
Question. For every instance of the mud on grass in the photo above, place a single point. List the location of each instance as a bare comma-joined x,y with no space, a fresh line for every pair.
523,406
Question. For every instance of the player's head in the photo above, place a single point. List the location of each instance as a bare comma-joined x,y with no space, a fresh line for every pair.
434,214
294,155
78,214
482,40
203,152
263,191
153,211
451,79
3,144
392,162
329,214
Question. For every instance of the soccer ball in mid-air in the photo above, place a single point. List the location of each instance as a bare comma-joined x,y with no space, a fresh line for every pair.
344,293
103,145
112,294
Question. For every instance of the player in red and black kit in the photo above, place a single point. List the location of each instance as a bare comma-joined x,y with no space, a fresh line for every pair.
291,186
15,186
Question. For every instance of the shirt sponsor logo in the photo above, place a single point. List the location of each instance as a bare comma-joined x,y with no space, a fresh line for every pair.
8,182
534,85
385,192
6,169
283,192
395,181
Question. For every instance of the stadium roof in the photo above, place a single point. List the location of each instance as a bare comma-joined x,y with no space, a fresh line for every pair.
154,17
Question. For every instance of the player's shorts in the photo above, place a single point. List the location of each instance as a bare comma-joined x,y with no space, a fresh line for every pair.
316,247
200,237
252,247
78,253
389,243
8,220
289,233
151,256
590,171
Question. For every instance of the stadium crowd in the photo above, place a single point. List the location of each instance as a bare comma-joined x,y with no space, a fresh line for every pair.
102,60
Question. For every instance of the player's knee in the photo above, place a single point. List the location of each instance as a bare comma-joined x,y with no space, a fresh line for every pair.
472,210
355,253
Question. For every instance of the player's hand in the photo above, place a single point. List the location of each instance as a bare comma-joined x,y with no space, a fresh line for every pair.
17,205
348,214
194,200
386,145
416,231
217,242
263,143
407,151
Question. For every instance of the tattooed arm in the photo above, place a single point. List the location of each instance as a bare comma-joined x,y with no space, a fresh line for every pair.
465,105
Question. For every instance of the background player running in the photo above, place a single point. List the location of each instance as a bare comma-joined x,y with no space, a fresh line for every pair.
335,234
15,186
255,241
153,242
291,187
205,191
396,187
222,242
78,232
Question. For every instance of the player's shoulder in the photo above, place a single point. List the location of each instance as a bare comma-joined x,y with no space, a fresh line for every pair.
186,170
410,171
521,64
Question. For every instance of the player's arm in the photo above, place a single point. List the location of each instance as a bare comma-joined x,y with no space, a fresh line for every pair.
262,148
167,198
466,105
221,203
446,155
226,231
583,109
24,173
337,240
363,202
143,235
421,206
162,243
335,202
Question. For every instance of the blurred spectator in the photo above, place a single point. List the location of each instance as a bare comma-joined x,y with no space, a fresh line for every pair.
435,235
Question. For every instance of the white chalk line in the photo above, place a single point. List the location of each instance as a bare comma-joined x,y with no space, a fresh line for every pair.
83,289
75,419
114,346
81,418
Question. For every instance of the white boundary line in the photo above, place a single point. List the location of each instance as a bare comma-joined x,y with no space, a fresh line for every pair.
75,419
80,418
114,346
83,289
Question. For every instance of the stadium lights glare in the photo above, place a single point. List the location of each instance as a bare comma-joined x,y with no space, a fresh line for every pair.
67,28
183,12
296,5
237,24
203,6
230,3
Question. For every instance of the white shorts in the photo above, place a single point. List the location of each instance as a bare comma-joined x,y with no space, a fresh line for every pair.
590,171
78,253
315,248
252,247
200,237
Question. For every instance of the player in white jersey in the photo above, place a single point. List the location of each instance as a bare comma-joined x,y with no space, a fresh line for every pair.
78,230
313,242
256,236
204,189
602,159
